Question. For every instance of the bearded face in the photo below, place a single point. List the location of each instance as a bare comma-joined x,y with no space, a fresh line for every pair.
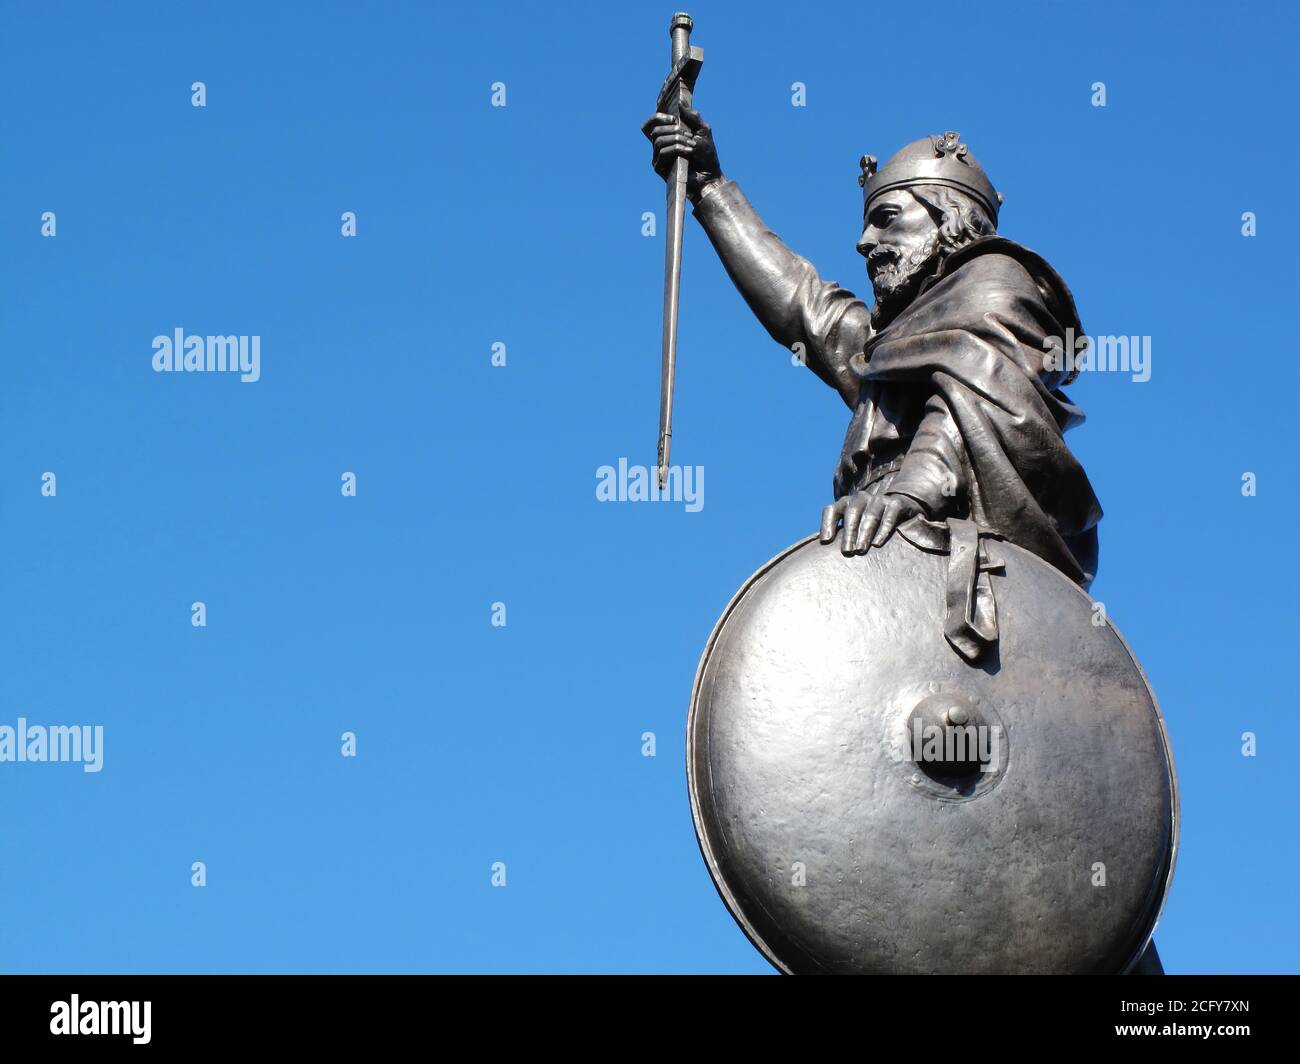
901,243
897,270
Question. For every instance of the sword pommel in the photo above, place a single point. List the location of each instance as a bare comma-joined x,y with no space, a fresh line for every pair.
680,32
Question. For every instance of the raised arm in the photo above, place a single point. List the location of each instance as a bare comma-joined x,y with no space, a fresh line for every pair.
782,288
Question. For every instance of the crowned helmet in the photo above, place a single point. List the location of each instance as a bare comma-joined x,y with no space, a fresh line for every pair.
940,159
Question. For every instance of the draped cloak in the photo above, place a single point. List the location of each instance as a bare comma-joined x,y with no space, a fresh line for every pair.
956,397
976,343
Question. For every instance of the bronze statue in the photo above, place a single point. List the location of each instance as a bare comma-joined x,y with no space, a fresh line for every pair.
1049,848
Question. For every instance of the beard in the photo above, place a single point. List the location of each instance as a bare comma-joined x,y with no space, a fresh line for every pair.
897,274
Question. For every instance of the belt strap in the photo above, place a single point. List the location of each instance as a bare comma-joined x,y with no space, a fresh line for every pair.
971,624
971,616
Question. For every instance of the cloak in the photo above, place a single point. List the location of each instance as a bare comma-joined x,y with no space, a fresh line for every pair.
974,345
954,400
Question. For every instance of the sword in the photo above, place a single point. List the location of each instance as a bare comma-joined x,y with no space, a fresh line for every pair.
673,98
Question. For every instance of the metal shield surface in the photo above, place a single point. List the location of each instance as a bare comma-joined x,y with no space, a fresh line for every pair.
836,850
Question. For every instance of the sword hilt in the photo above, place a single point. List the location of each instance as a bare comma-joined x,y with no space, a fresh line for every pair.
685,67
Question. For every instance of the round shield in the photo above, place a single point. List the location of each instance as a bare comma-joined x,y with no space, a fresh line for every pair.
867,801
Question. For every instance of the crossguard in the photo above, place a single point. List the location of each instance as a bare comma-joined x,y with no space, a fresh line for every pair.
683,74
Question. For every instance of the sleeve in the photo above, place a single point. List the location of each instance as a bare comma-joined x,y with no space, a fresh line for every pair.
934,468
783,289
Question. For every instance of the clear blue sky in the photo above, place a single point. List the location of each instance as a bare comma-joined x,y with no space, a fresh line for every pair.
477,484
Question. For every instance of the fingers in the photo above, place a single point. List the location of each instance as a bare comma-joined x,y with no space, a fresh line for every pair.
854,511
888,522
868,521
661,125
663,158
672,138
830,519
871,517
656,119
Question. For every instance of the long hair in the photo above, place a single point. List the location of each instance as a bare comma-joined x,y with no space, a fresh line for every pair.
959,217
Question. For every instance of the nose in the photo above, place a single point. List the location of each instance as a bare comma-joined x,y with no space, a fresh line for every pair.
867,241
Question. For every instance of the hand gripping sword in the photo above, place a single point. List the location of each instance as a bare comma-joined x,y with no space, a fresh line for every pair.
674,97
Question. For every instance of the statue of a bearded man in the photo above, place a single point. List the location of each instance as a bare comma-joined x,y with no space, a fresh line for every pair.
954,376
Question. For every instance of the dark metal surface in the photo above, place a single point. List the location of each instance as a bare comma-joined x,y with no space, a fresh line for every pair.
673,99
800,753
946,374
952,605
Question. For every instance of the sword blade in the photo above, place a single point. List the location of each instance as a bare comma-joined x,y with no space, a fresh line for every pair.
673,99
676,215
